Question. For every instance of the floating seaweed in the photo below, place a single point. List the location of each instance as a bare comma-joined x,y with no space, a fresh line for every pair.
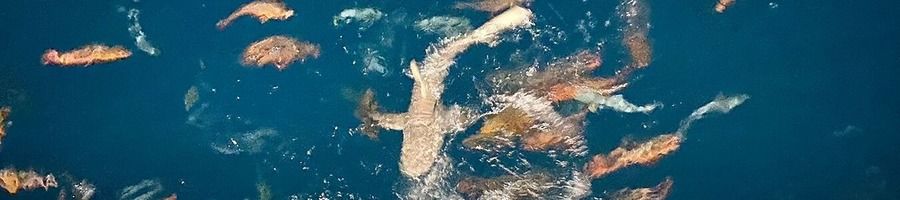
492,6
84,56
4,113
263,10
278,50
659,192
427,121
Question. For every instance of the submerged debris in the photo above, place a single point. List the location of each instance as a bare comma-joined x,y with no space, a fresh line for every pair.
280,51
263,10
84,56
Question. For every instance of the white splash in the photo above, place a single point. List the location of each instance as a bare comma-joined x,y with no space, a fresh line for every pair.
140,39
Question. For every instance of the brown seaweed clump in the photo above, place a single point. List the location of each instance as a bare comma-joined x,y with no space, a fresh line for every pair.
492,6
278,50
263,10
722,5
84,56
631,153
13,181
659,192
4,113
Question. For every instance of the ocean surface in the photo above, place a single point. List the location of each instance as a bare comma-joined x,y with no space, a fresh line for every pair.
822,121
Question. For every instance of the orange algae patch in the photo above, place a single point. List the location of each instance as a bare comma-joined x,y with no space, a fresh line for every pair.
263,10
4,112
84,56
630,154
280,51
659,192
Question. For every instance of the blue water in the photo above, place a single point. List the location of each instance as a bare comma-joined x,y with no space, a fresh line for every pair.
813,69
